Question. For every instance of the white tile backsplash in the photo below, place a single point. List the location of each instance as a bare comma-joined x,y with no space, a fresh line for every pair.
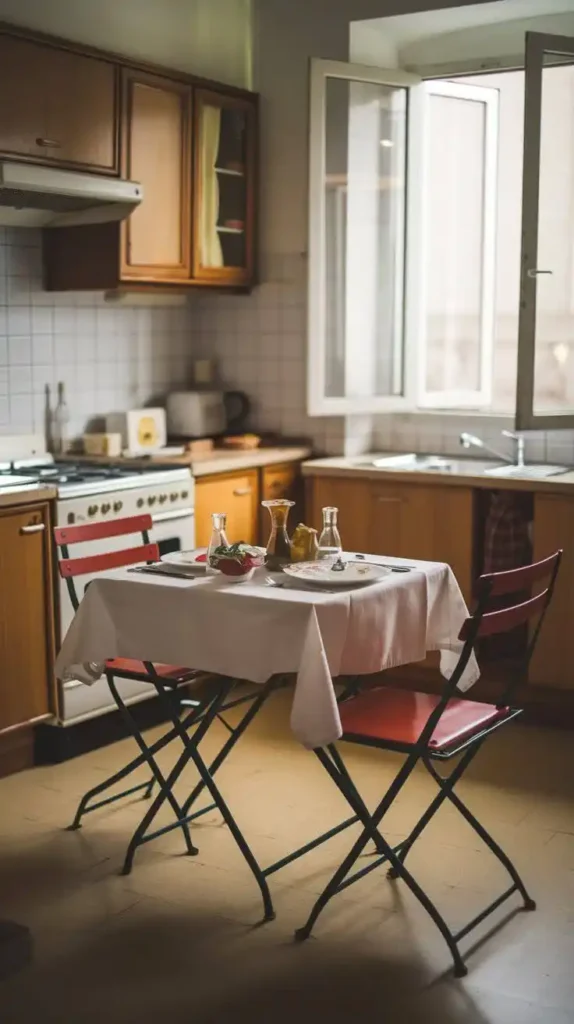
109,357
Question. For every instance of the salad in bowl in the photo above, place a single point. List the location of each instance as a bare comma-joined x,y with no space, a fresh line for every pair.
237,561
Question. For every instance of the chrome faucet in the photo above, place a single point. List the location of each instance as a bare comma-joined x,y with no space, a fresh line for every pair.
471,441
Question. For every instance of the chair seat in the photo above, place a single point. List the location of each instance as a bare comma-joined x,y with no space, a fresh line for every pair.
392,716
130,668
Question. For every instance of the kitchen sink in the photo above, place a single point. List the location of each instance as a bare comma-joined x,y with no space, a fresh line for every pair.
532,471
414,463
420,463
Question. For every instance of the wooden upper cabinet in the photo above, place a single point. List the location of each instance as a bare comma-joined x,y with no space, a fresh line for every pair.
224,189
58,107
27,690
156,242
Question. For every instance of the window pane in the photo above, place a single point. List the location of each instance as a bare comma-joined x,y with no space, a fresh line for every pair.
554,352
454,201
364,187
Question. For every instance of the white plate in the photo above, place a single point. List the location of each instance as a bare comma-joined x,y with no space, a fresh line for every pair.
186,561
323,575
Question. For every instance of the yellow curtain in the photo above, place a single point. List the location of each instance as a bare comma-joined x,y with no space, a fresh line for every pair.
211,253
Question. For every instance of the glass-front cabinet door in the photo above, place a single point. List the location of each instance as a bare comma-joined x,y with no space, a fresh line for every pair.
224,189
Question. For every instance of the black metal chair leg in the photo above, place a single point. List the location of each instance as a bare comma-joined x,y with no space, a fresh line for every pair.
165,790
445,786
236,734
355,852
190,745
332,887
354,797
140,834
529,903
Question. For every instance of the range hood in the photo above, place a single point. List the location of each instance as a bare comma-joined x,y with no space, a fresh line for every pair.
32,196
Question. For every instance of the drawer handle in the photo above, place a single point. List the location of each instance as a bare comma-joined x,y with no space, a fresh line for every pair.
48,143
241,492
34,528
390,501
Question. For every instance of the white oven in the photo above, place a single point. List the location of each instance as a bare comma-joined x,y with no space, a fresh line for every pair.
168,496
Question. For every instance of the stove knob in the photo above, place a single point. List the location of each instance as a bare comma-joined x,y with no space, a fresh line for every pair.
140,503
118,506
92,509
185,494
105,508
152,499
162,499
71,517
173,496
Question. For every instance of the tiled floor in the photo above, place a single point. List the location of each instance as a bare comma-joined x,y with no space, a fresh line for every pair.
178,940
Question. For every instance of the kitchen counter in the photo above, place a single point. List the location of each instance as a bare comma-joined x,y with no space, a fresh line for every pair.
219,460
28,495
224,461
466,474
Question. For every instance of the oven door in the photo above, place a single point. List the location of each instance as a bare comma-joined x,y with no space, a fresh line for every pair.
173,530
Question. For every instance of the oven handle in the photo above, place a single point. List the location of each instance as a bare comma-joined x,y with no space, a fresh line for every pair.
172,513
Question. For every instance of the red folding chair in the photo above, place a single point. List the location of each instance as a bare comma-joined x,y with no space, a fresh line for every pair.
436,728
165,679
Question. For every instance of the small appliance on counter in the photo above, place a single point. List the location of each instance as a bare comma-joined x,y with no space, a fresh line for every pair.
142,432
206,413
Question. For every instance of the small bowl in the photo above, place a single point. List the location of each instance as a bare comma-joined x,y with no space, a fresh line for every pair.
242,577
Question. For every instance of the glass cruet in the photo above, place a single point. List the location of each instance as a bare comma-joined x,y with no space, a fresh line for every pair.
330,539
278,546
218,536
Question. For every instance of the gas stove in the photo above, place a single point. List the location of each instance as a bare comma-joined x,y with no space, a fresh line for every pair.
82,478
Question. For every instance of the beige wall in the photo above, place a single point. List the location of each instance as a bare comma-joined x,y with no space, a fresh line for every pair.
211,38
287,33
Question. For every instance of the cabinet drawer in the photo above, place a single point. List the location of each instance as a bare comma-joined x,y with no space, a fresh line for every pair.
237,495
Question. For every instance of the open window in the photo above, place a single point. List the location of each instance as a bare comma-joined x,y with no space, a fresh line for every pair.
545,383
358,225
433,282
403,180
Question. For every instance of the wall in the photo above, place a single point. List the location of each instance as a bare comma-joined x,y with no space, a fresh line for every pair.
211,38
109,357
261,341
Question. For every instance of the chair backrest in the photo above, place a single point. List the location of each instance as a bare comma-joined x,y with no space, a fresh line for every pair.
64,536
488,623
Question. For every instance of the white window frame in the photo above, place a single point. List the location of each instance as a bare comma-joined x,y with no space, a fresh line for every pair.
318,403
480,398
537,46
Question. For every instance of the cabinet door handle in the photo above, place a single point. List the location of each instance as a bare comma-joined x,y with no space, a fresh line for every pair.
34,528
241,492
48,143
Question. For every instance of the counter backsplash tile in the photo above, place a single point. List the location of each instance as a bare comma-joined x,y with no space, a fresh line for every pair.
110,357
259,341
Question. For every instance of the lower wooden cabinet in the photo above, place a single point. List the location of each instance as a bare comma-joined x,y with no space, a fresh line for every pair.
27,688
402,520
237,494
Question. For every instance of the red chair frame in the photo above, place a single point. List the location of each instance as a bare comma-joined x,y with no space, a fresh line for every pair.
377,718
165,679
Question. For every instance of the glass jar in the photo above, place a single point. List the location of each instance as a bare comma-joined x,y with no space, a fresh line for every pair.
218,537
278,551
330,540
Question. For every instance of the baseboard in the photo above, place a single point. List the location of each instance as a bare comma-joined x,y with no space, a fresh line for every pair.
16,750
54,744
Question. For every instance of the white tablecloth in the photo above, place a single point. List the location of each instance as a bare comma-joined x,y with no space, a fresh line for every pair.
252,631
